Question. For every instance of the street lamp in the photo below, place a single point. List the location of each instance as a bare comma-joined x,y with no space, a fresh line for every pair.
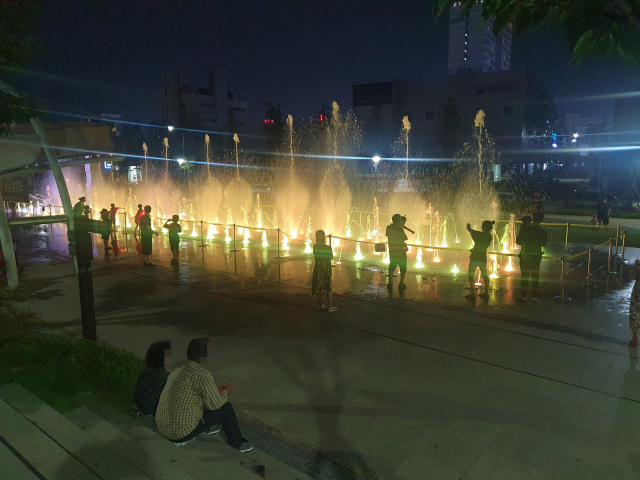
180,161
376,159
170,128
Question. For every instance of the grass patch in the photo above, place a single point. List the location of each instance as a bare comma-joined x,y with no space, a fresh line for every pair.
55,368
587,212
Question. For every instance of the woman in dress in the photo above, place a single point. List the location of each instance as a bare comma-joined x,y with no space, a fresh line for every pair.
321,282
634,306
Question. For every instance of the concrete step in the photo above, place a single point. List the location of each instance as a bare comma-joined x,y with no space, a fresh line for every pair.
274,467
143,456
42,452
102,460
199,464
12,467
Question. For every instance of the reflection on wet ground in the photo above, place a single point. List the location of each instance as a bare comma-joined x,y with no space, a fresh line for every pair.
366,279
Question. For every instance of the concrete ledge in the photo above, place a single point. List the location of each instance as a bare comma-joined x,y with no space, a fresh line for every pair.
46,456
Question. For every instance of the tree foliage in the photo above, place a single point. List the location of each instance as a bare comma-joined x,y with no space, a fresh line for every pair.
17,18
594,27
541,117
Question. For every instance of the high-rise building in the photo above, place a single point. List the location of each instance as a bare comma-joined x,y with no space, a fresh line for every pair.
472,45
213,107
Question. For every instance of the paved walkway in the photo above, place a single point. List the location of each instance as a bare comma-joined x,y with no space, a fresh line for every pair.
422,387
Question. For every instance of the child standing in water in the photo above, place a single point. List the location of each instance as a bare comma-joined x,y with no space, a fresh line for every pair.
321,282
174,229
478,258
634,305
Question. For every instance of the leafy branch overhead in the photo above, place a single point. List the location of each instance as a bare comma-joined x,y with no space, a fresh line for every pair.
16,21
594,27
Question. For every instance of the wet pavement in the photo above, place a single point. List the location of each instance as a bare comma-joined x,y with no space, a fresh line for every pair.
426,386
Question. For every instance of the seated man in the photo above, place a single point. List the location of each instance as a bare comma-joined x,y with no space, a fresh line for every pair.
152,378
191,403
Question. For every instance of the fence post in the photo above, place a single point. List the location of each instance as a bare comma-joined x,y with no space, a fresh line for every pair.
562,281
202,239
624,241
589,267
278,254
566,239
235,251
617,237
609,259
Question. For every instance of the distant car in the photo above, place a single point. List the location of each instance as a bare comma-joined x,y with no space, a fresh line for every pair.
588,199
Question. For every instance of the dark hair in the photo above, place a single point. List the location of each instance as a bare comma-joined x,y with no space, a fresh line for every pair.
139,205
197,348
526,220
155,353
320,235
147,208
113,204
175,218
538,217
487,225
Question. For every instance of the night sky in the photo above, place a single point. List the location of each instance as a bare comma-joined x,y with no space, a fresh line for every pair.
109,57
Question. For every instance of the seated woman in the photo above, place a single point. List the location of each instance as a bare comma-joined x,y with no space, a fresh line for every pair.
152,378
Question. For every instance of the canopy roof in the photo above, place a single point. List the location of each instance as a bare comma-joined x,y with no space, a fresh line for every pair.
22,147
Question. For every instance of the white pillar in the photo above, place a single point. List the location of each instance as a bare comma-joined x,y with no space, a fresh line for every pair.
7,247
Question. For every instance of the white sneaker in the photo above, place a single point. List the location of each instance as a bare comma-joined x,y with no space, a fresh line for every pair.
246,447
214,430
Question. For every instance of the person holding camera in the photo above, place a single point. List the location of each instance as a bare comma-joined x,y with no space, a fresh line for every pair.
478,258
397,250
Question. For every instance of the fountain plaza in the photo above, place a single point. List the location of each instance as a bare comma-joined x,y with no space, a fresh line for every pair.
428,385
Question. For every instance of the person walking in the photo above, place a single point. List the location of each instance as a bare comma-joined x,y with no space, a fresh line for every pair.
191,403
321,281
478,257
104,216
532,239
139,213
174,229
603,210
112,215
397,250
634,305
146,236
152,378
78,208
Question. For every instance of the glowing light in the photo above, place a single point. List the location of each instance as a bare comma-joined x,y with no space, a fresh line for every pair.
117,221
493,266
429,249
127,223
419,263
509,267
348,232
554,145
285,245
307,246
455,269
152,227
385,257
227,238
493,276
180,161
265,243
376,159
505,249
247,236
436,258
240,230
478,283
170,128
335,242
444,243
358,252
457,239
294,233
211,232
194,230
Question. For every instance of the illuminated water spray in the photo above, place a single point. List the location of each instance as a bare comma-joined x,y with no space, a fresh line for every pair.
285,245
406,128
307,238
265,243
358,252
194,230
419,263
